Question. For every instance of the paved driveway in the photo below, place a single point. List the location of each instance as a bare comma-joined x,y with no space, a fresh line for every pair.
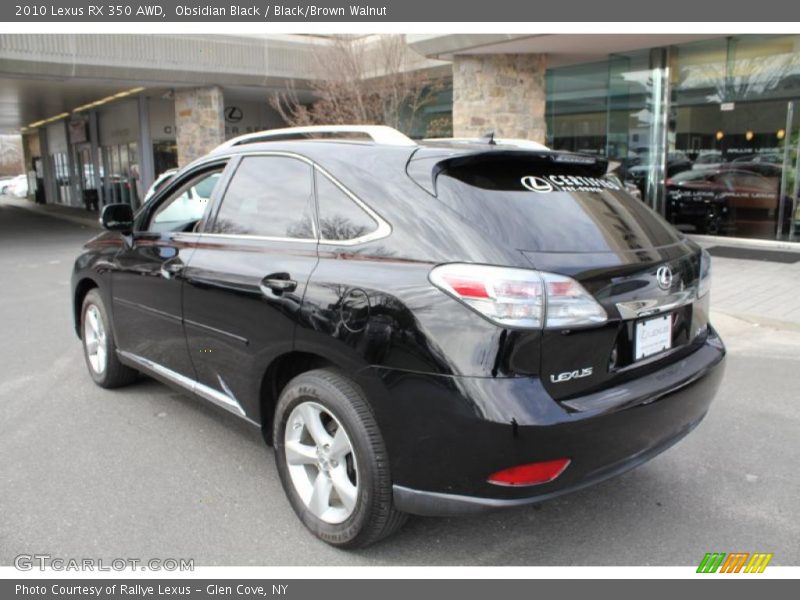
145,472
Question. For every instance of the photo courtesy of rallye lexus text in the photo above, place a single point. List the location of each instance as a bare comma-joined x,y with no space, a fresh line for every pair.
433,328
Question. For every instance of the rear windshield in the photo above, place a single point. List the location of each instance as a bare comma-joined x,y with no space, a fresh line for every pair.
544,207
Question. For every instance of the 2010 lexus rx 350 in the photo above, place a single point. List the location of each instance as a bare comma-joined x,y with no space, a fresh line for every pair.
434,329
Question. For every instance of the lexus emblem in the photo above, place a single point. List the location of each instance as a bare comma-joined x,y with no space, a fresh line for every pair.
664,277
536,184
233,114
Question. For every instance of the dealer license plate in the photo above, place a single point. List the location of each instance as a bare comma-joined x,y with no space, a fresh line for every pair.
653,336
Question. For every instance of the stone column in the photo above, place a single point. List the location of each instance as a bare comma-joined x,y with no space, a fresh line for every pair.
504,93
200,122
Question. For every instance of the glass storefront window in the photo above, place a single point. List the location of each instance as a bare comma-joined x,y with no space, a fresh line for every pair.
731,117
105,174
123,180
165,156
612,109
711,140
85,167
789,216
133,173
577,113
62,176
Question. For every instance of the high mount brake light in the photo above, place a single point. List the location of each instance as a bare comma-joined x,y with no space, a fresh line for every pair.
521,298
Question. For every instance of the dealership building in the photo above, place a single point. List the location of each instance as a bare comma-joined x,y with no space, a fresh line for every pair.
706,128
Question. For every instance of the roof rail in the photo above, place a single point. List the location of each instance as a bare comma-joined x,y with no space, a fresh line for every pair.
380,134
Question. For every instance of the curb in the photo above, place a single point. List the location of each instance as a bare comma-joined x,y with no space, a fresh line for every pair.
718,240
759,321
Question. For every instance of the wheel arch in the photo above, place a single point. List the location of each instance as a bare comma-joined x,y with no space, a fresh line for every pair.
83,287
280,372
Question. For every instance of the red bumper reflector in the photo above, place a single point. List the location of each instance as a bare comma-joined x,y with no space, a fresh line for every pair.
530,474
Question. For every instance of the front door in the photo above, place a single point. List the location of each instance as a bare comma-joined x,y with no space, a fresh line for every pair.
148,274
246,280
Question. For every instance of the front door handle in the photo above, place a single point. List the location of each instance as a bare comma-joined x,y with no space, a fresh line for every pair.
277,284
172,268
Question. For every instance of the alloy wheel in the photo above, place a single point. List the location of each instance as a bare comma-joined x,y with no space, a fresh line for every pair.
94,338
321,462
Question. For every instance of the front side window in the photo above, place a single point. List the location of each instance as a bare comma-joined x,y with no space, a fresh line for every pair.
183,209
340,218
268,196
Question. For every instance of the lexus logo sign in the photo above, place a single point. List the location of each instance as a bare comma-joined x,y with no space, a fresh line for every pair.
233,114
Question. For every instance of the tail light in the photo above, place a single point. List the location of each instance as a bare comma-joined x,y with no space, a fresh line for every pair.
530,474
704,286
521,298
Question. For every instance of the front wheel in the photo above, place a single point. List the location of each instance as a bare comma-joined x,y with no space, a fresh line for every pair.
332,460
99,348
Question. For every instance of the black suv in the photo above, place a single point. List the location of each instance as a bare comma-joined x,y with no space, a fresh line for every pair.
433,329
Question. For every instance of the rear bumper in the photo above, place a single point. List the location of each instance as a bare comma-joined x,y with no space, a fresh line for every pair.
446,435
435,504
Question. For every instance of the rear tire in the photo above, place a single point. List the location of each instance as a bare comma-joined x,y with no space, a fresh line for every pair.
337,475
99,348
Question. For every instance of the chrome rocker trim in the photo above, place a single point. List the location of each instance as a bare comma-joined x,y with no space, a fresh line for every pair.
228,402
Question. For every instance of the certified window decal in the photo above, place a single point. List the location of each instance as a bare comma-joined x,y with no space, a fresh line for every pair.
566,183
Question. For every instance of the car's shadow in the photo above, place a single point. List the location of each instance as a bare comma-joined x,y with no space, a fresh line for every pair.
606,524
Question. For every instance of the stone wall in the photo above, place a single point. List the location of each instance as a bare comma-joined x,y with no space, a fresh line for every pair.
504,93
200,122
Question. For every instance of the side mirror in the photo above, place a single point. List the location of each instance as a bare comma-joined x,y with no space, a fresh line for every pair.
117,217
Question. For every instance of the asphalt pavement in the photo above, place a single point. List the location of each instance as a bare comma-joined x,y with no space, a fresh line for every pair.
146,472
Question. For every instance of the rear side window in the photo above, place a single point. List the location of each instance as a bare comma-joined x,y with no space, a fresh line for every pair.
541,206
340,218
268,196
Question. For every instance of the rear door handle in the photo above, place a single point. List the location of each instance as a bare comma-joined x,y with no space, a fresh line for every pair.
171,268
277,283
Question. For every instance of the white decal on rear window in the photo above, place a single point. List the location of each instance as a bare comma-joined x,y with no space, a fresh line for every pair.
566,183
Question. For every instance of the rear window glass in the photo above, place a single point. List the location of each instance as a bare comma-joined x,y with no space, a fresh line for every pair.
545,207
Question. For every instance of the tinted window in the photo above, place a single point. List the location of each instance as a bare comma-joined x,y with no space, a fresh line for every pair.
183,209
561,209
339,217
268,196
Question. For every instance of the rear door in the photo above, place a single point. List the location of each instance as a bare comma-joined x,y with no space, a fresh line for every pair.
246,280
566,217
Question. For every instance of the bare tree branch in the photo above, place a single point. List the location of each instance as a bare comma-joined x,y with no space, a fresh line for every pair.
362,81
